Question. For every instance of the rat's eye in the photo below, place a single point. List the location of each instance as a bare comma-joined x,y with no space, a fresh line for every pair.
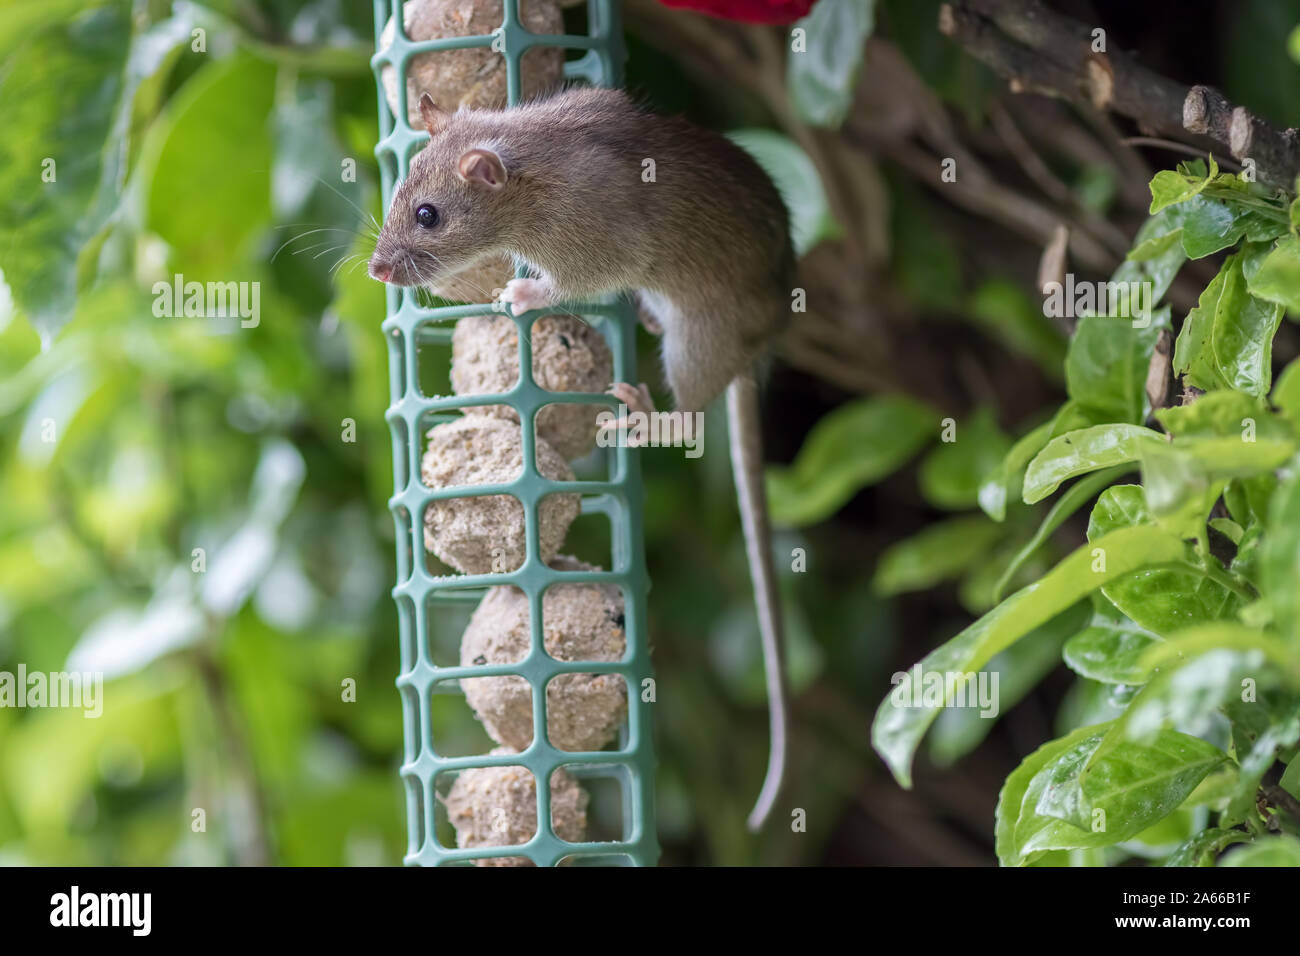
426,216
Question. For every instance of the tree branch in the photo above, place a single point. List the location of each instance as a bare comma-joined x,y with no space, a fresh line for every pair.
1042,51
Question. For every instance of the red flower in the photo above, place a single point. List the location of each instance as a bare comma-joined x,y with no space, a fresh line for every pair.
747,11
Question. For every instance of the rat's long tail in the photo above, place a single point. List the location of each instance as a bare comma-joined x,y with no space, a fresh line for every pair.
747,469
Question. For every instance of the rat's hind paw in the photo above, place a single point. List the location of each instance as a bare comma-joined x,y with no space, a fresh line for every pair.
634,400
637,399
525,295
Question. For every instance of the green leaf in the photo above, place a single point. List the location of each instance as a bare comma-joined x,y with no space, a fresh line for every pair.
1162,600
1003,308
1278,278
1192,675
1193,356
1223,435
959,730
63,88
1210,225
1202,849
1106,368
1011,798
1243,418
898,728
1243,330
1081,451
1280,556
1169,187
800,184
1157,254
941,551
1110,648
1128,790
1286,391
1248,499
822,77
1270,733
853,446
226,101
1281,850
1004,482
1080,493
1178,490
1133,784
950,475
1227,340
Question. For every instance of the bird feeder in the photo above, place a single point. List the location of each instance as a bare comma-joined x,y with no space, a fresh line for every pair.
423,597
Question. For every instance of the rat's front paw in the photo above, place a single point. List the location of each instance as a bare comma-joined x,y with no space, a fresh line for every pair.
525,295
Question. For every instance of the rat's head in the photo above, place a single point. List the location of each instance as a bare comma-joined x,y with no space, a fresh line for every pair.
448,211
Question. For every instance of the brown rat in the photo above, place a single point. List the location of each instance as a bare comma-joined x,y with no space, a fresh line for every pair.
594,194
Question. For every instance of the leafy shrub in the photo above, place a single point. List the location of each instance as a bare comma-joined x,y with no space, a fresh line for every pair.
1179,613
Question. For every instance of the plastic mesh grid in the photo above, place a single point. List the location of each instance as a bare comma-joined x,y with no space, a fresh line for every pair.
420,594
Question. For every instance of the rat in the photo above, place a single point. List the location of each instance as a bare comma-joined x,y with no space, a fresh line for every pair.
594,194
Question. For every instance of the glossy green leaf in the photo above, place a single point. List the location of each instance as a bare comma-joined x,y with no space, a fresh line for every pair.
1175,186
1157,255
1227,340
898,728
1004,482
1204,847
1110,648
1193,354
1079,452
853,446
1079,494
1128,790
1162,600
1006,817
1211,225
959,730
1243,330
1192,675
1278,278
1106,367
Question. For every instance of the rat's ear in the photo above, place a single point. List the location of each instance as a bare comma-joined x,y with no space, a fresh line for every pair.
482,167
434,117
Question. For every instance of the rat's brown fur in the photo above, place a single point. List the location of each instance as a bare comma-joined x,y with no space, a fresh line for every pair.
561,186
707,243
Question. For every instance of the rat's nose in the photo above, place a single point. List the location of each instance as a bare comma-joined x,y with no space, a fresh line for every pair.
382,271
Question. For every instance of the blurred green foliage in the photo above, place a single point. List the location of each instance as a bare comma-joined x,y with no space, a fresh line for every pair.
182,506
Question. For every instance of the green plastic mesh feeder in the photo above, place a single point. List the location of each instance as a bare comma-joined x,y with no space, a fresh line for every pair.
423,597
